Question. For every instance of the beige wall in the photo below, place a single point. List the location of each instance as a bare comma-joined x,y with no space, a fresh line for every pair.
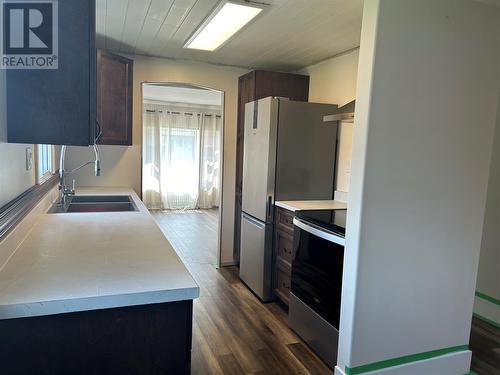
121,166
334,81
14,178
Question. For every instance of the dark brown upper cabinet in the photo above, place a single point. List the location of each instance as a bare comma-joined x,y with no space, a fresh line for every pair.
252,86
57,106
114,98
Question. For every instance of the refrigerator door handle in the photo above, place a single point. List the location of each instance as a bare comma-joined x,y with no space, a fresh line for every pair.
269,206
253,221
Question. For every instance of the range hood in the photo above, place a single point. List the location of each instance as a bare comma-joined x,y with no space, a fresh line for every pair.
344,113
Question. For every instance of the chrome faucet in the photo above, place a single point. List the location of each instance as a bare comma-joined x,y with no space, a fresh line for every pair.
65,191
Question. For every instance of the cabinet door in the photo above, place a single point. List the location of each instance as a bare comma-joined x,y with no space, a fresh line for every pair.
57,106
114,98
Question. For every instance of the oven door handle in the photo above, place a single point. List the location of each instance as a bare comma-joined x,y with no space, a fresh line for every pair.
318,232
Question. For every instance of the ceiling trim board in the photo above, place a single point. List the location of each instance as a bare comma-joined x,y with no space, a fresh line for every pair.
290,35
134,46
191,61
181,22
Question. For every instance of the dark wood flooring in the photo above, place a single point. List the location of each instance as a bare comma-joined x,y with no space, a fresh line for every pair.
233,332
485,346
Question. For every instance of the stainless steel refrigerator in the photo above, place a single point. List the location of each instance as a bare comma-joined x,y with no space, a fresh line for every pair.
289,154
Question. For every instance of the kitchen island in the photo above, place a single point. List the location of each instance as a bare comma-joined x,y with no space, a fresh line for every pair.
99,292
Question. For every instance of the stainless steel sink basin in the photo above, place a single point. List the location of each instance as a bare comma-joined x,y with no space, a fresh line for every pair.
95,203
101,199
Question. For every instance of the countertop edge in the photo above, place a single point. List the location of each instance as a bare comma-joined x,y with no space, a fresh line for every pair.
26,310
289,205
189,291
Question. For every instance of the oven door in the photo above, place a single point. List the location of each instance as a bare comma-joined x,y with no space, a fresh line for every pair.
317,266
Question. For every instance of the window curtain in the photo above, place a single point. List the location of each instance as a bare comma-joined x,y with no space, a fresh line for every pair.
181,159
210,154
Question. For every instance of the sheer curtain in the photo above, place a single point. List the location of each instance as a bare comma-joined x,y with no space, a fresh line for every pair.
210,153
181,159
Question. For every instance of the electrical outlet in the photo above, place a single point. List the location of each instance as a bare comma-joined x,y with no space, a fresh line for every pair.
29,158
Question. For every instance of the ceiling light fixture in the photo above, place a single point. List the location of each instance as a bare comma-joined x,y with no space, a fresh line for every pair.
227,18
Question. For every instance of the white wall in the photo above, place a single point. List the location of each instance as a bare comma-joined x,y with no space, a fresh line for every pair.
425,115
14,179
121,166
488,280
334,81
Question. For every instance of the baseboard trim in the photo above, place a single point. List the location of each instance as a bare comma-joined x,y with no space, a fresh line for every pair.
425,360
487,310
228,264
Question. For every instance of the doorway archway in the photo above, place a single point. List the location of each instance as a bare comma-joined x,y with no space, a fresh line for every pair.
182,165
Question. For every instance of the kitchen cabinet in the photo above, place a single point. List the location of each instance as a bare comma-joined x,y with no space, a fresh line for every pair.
283,249
144,339
252,86
58,106
114,98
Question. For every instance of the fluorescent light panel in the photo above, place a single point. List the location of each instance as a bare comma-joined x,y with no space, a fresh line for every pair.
222,24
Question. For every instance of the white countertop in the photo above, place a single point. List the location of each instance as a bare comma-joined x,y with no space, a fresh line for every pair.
311,205
86,261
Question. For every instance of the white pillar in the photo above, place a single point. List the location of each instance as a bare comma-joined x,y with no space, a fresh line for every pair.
425,115
487,302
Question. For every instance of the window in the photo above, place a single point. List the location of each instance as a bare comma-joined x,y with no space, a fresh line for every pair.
45,162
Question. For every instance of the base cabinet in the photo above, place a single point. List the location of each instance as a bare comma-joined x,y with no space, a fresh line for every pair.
148,339
283,248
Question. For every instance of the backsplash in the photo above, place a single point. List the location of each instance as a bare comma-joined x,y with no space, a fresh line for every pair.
10,243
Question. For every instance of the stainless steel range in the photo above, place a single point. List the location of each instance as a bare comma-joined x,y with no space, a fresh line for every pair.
316,287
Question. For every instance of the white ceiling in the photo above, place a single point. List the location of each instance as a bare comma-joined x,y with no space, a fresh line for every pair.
184,95
289,35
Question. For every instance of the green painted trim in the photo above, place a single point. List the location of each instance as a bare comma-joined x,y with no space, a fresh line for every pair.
472,373
488,298
487,320
403,360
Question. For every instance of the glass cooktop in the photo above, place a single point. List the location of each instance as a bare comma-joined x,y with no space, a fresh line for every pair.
331,220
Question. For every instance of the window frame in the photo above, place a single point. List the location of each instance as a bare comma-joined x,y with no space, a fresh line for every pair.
40,179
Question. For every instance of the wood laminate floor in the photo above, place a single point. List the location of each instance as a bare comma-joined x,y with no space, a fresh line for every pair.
485,346
233,332
193,233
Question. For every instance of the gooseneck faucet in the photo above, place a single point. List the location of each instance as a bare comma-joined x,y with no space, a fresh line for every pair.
65,191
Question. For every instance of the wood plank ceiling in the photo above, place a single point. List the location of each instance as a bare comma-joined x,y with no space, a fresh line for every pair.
291,34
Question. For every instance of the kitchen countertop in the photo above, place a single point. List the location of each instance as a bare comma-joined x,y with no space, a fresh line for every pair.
311,205
86,261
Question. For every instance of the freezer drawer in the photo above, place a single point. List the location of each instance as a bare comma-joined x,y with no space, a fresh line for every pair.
320,335
256,256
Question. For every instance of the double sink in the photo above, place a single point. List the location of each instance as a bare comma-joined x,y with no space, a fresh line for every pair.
95,203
